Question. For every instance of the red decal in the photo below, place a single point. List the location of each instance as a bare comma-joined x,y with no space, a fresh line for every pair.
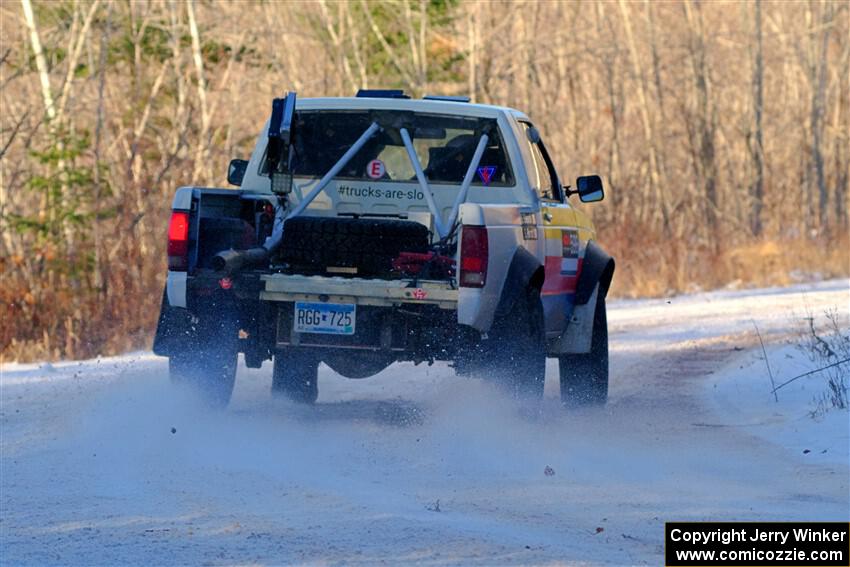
420,293
375,169
557,283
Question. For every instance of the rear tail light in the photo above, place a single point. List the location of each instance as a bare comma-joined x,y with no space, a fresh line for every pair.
178,241
474,254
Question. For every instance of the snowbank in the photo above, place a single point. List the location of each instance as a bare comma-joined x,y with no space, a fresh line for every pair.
740,396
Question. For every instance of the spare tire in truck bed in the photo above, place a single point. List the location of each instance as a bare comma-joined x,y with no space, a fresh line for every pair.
314,244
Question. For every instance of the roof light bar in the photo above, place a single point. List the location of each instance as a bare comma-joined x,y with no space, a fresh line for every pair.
447,98
381,93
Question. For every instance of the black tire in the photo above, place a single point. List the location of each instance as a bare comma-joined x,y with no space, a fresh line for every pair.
515,355
368,244
296,375
584,377
209,366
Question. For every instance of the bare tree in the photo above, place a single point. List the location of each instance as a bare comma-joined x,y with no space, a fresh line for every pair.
756,138
656,190
202,150
704,129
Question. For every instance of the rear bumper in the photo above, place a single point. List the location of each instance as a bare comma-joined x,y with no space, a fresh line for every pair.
405,317
376,293
414,331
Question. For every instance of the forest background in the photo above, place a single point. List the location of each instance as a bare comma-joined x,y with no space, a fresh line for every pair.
721,129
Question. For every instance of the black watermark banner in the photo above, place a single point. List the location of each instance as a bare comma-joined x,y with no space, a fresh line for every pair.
741,544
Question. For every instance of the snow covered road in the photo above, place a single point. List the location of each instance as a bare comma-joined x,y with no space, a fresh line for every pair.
103,463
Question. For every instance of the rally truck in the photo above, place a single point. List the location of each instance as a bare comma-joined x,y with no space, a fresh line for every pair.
379,228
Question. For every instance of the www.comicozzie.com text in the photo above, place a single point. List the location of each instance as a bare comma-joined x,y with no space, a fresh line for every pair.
755,534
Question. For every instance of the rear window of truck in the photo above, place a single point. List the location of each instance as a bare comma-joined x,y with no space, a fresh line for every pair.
444,145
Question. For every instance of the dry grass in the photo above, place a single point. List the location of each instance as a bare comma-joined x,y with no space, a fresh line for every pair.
57,319
826,342
55,322
647,269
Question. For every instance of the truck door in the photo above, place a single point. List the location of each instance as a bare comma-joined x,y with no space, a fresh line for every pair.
562,246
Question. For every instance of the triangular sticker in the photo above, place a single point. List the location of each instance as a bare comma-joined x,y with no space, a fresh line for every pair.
486,173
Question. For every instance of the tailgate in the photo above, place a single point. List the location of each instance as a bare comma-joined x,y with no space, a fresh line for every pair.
360,291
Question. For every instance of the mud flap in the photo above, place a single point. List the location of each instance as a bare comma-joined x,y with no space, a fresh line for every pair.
173,329
597,269
576,339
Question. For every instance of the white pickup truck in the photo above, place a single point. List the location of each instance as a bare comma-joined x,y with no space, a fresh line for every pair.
376,229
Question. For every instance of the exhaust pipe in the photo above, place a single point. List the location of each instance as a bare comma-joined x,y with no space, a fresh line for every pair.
234,260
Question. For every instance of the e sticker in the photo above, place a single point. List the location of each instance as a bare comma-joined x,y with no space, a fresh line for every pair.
375,169
486,173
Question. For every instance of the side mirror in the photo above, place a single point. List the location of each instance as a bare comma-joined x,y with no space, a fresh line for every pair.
533,135
589,188
236,171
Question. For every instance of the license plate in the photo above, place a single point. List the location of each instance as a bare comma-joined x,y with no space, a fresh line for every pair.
327,318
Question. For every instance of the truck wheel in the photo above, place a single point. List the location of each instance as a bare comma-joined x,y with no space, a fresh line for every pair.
296,375
516,355
584,377
210,370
